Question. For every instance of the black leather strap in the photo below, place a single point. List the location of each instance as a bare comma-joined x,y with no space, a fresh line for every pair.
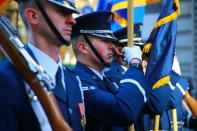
96,52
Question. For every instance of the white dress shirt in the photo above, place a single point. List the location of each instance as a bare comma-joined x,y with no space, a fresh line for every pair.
49,65
100,75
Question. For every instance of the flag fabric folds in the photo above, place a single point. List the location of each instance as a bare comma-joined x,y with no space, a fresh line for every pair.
119,8
161,44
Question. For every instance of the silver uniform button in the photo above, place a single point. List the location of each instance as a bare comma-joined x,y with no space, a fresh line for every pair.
70,110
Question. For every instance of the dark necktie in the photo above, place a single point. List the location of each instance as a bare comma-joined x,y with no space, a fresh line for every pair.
109,84
59,88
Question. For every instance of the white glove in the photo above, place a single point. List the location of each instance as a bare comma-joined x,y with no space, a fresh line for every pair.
131,53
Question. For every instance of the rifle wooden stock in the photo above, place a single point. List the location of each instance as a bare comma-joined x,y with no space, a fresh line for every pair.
46,99
192,103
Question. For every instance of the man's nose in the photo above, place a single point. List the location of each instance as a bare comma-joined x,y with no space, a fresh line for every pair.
111,45
71,20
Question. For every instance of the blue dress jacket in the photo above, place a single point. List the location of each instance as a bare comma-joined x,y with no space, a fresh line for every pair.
109,106
16,113
158,98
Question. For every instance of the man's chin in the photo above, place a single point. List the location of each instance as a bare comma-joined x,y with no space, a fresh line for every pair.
68,39
109,61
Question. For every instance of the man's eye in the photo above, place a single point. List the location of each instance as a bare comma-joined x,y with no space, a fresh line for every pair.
60,10
63,11
106,40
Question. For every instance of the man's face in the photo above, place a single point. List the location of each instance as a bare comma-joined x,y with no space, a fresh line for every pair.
61,18
104,47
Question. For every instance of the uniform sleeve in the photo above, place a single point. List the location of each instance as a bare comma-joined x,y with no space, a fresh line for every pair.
120,108
167,96
9,117
179,91
158,100
15,111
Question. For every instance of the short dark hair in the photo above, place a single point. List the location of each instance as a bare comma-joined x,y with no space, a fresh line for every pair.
74,42
78,39
23,5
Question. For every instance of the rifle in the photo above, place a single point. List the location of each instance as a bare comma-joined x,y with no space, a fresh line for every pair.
38,80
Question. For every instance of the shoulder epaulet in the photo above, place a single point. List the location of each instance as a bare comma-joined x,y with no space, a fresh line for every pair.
84,76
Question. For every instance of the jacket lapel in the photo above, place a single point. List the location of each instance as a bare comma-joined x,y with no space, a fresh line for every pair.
69,88
60,95
30,53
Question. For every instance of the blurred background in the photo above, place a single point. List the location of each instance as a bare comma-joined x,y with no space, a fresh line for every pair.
186,44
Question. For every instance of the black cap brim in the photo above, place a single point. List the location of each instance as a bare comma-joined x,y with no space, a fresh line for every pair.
107,36
69,7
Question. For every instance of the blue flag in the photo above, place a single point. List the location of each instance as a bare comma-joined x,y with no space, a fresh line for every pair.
161,44
119,8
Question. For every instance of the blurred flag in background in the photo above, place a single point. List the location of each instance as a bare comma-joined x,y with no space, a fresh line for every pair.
119,8
4,5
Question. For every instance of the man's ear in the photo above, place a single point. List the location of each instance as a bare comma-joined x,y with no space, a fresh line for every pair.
83,48
32,16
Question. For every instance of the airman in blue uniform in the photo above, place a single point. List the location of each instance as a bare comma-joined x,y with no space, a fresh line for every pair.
18,111
110,106
156,106
158,100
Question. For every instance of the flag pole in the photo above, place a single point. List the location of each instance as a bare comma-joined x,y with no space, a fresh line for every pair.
174,120
130,22
156,124
130,33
